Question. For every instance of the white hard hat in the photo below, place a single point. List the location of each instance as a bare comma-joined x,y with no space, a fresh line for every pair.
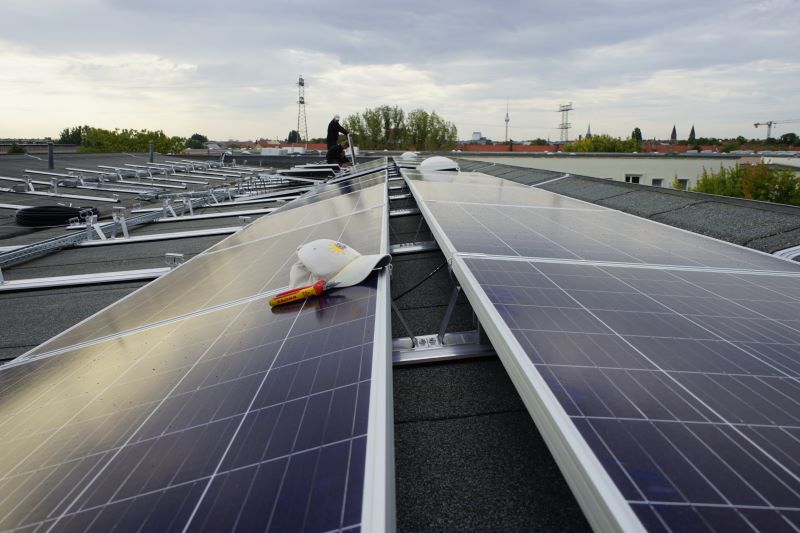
335,262
335,117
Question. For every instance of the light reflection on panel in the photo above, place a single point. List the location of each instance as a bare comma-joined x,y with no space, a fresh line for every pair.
467,178
684,384
504,193
331,190
160,427
596,236
341,202
230,274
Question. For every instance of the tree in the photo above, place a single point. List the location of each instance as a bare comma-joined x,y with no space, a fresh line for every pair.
294,137
100,140
72,135
388,127
636,137
601,143
16,149
196,141
759,182
789,139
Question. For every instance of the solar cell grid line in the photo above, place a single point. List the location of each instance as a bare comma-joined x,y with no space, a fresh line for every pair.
235,273
710,439
145,472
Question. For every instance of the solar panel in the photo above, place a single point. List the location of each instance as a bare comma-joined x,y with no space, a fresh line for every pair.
524,222
253,262
667,392
213,411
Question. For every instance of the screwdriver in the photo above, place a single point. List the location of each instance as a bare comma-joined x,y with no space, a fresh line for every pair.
301,293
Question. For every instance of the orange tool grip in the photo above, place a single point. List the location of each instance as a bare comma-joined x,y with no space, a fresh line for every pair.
300,293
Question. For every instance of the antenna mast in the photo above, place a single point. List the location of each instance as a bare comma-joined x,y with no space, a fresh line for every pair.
302,126
507,119
565,125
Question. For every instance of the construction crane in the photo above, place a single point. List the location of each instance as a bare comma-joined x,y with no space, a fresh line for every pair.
771,123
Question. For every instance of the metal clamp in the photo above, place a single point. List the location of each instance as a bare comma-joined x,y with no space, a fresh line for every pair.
118,214
174,260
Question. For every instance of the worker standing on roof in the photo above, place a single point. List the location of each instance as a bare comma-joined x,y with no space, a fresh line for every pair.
334,129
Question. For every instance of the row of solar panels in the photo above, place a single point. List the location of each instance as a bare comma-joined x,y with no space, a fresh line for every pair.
662,368
192,405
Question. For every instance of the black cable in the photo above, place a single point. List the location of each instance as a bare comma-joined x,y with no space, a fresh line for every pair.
51,215
423,280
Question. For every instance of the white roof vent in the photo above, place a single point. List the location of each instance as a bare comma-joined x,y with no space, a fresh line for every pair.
438,162
409,155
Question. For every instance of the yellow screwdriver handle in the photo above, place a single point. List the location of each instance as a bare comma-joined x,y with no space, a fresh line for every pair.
298,294
302,294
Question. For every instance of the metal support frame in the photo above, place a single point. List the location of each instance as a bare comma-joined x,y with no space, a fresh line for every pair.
163,236
49,245
404,212
413,247
118,214
788,253
82,279
428,349
174,260
448,313
404,323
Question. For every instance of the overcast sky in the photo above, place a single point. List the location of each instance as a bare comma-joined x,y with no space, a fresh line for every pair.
228,69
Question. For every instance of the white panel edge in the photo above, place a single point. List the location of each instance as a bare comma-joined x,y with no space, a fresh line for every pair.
602,503
378,512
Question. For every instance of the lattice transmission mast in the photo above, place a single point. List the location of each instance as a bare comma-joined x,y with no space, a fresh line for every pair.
565,125
302,125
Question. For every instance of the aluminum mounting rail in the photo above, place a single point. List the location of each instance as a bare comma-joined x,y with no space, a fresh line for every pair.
82,279
73,239
164,236
71,196
21,180
112,188
45,173
159,185
86,170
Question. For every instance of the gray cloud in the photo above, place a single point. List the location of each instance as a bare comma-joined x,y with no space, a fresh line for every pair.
231,67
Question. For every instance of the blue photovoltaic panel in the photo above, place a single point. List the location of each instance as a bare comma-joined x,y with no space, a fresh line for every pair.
683,383
593,235
235,417
663,363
